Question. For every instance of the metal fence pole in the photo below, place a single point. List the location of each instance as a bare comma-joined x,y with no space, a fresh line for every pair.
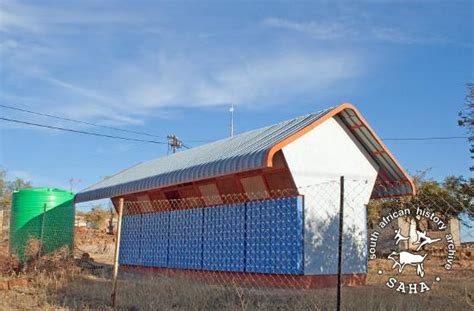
339,253
40,251
117,251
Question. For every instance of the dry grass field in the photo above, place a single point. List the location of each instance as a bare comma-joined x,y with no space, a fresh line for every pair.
58,282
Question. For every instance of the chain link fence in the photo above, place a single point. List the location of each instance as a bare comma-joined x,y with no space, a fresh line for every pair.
281,250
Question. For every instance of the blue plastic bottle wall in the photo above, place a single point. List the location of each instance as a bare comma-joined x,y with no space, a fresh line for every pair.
261,236
274,236
185,239
154,236
224,238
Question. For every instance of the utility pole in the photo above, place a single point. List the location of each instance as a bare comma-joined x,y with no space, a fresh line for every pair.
174,143
72,181
231,120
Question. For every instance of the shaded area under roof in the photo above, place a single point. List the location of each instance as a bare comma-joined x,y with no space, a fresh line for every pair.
247,151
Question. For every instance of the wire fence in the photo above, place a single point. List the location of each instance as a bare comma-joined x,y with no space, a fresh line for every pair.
287,250
284,248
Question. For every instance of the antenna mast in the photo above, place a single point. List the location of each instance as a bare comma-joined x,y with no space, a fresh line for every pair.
231,120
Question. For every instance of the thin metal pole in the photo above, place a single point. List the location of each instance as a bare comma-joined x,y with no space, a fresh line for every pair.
117,251
339,253
231,120
42,232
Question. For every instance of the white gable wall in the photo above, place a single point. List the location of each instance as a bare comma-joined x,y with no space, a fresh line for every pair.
316,161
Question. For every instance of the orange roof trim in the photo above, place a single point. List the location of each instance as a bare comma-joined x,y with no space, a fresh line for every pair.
330,114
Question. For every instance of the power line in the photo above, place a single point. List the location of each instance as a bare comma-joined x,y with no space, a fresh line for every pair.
83,132
78,121
426,138
167,143
384,139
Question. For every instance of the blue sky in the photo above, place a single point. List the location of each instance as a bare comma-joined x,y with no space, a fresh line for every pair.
174,67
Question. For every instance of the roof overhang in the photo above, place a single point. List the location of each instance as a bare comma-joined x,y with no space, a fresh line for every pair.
392,180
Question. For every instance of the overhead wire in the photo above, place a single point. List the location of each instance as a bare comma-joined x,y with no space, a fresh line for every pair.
426,138
82,132
78,121
153,135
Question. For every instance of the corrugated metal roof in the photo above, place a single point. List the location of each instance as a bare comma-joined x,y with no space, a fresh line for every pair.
249,151
246,151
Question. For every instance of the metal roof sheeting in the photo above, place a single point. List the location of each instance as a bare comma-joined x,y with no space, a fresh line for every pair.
244,152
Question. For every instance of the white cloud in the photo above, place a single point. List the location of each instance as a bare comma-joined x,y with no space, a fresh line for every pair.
318,30
268,80
396,35
15,16
272,80
77,89
344,30
94,82
134,91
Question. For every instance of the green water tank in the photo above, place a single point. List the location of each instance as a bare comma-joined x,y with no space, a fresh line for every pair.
45,214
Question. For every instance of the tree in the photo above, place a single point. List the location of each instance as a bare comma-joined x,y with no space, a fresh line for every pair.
97,217
462,190
466,118
7,187
440,198
3,176
449,198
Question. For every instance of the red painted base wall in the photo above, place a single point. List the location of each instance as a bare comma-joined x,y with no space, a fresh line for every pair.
257,279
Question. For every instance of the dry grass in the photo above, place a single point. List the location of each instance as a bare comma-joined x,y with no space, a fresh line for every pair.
70,288
56,282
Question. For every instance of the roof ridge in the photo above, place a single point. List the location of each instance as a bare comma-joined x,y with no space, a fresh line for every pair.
244,151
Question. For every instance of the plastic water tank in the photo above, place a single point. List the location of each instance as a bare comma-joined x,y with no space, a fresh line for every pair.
45,214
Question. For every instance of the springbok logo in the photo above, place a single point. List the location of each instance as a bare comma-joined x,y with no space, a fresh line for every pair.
423,240
411,251
407,258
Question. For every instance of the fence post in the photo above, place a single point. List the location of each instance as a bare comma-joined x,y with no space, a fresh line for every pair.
40,252
339,253
117,251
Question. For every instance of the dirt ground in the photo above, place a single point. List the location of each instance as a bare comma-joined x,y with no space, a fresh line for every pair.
96,242
59,283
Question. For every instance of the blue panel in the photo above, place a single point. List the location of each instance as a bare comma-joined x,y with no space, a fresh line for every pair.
263,237
274,236
224,238
154,242
130,240
185,240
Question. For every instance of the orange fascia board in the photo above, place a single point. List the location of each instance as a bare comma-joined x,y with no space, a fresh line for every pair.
327,116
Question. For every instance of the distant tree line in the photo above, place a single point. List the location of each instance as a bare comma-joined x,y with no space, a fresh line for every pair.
7,187
448,198
97,217
466,118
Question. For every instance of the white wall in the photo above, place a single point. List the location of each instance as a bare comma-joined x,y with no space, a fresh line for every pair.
316,161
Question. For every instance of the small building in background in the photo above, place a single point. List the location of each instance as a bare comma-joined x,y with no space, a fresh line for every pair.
80,221
408,227
264,202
